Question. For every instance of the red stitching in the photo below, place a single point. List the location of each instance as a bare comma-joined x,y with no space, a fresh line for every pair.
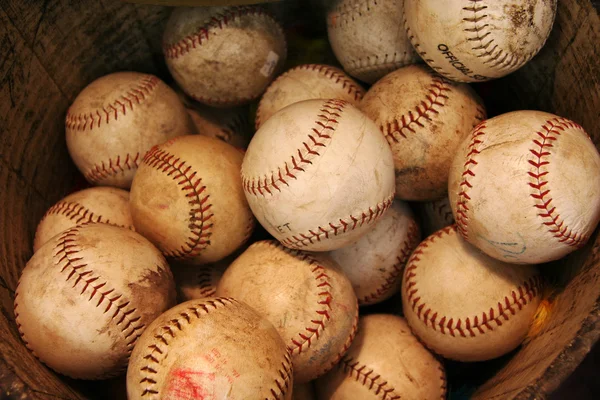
165,334
462,207
391,280
93,118
543,142
200,224
325,297
495,56
435,98
317,138
444,384
111,168
339,227
442,207
205,281
74,211
328,72
369,378
219,21
469,327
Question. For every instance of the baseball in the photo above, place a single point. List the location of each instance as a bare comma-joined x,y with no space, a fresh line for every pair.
87,295
230,125
423,118
375,262
386,361
367,37
187,199
214,348
223,56
434,215
465,305
98,204
478,40
525,187
200,281
307,82
116,119
318,174
307,298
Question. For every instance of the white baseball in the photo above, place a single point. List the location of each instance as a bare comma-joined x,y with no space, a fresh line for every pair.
318,174
306,82
465,305
307,298
86,296
116,119
423,117
525,187
98,204
375,262
435,215
386,361
223,56
367,37
478,40
187,199
209,349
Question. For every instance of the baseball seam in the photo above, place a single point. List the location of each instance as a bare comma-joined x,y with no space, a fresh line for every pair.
349,340
423,54
109,168
200,216
166,334
376,64
391,280
219,21
435,98
369,378
204,280
482,40
443,209
543,142
462,206
444,384
325,298
467,327
134,96
318,137
67,253
328,72
74,212
344,225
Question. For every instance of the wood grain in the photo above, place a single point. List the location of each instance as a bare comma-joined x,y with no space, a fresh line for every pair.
51,49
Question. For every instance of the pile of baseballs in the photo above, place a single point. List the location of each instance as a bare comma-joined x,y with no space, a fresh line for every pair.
155,270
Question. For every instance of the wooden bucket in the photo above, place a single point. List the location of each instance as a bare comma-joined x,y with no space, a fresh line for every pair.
51,49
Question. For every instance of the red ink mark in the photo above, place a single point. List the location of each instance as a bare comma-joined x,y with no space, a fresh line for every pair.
187,384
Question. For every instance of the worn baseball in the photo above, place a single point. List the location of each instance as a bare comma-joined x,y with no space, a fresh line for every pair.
375,262
367,37
200,281
307,298
307,82
187,199
86,296
223,56
386,361
478,40
525,187
116,119
97,204
465,305
434,215
318,175
230,125
214,348
423,118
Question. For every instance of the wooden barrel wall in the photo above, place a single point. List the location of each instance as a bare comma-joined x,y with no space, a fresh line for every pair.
51,49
